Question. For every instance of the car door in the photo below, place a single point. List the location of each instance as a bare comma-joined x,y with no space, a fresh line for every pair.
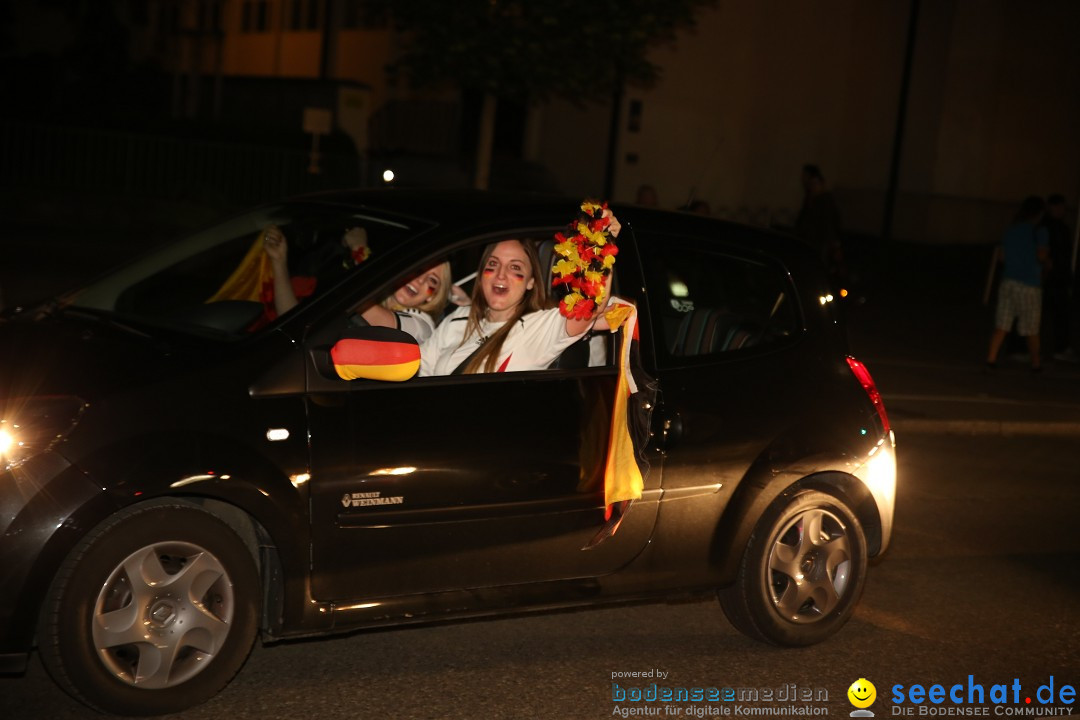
461,482
727,319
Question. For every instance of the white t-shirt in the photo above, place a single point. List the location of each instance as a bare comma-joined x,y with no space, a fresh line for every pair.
415,322
533,343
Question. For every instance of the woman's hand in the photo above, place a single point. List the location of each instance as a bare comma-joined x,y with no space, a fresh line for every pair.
614,226
277,250
275,246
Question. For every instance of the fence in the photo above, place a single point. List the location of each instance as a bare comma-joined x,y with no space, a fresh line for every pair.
49,157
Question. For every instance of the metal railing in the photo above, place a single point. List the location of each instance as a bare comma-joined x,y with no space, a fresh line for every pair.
52,157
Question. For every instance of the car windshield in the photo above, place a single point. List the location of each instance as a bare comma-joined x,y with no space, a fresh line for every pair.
218,281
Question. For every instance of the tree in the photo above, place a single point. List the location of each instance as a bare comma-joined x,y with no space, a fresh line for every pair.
534,49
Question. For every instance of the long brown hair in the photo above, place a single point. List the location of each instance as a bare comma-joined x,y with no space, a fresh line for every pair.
535,299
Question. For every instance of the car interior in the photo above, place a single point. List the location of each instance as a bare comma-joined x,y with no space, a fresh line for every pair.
708,308
196,284
593,350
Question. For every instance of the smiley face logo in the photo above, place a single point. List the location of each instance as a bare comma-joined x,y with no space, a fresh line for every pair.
862,693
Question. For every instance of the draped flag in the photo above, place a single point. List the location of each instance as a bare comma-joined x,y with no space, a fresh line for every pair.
249,278
587,253
253,280
635,393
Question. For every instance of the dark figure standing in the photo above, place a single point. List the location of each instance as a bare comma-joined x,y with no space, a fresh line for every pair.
1060,279
1024,249
819,220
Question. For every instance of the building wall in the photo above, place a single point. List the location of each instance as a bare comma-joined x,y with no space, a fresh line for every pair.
357,55
362,56
759,88
571,141
994,115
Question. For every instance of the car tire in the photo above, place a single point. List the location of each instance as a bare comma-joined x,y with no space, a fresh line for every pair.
802,572
153,612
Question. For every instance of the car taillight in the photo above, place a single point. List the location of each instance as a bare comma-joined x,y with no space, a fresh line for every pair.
867,382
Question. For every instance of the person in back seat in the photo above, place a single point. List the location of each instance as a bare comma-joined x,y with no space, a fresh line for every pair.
411,307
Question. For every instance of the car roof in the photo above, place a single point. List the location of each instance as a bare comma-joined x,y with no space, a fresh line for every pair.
463,210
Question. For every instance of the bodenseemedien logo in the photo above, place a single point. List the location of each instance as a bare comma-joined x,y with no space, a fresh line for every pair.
698,701
973,698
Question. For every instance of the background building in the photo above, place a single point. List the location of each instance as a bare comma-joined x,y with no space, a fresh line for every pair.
759,88
949,122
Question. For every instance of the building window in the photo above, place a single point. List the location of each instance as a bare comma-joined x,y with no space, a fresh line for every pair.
168,19
210,14
358,14
255,16
139,12
305,14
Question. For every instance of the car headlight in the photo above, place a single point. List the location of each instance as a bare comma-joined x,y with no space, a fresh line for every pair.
881,470
29,426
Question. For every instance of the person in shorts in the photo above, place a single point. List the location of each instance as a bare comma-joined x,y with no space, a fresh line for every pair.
1025,248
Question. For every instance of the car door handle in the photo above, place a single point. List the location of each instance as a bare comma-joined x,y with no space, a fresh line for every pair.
667,429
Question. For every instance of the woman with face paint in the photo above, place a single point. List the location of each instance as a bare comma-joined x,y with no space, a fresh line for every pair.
509,326
414,306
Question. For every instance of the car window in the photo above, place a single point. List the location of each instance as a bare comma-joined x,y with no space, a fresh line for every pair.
198,282
592,351
709,303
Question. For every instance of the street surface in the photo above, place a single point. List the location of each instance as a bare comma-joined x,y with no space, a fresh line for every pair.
983,580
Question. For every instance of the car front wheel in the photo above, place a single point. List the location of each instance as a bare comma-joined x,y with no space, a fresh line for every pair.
802,572
153,612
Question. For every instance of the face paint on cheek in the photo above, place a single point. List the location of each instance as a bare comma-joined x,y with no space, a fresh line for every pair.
518,278
430,291
489,271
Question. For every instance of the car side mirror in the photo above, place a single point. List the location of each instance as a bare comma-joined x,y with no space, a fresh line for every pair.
372,353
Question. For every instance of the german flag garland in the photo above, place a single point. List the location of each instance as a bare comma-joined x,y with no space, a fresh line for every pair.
588,253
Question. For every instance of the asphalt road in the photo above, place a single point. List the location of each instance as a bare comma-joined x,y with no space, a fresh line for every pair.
983,580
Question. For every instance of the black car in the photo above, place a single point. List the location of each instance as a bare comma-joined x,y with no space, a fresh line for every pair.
183,476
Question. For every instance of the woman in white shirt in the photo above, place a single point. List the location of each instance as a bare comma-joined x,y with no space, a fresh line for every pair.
508,327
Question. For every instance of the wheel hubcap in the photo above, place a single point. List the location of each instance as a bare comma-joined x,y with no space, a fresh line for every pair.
163,614
809,565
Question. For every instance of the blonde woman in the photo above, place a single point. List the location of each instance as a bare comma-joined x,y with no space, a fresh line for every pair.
414,306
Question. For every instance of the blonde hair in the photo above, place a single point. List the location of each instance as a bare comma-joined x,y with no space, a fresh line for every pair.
534,299
435,304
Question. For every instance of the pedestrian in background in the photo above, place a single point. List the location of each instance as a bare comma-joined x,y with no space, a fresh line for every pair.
818,222
1025,252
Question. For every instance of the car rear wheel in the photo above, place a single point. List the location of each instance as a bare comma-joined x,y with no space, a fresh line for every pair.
802,572
154,612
